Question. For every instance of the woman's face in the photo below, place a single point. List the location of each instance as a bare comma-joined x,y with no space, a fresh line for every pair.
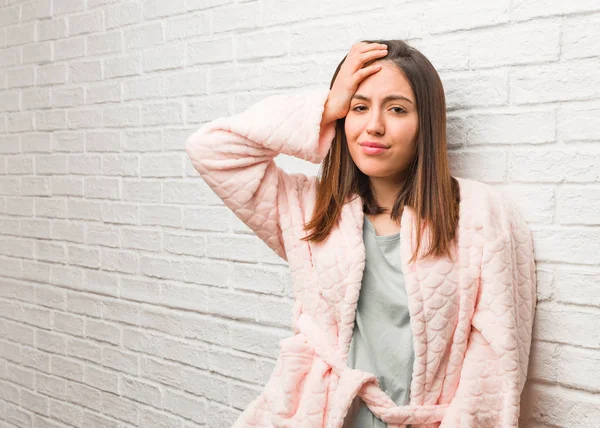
392,122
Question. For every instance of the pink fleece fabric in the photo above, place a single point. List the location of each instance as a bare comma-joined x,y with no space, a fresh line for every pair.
471,316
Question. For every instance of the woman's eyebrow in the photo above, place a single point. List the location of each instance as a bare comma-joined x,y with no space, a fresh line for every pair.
387,98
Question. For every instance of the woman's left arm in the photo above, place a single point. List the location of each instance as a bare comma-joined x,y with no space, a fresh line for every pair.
495,366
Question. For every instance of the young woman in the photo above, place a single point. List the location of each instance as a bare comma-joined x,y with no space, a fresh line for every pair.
414,291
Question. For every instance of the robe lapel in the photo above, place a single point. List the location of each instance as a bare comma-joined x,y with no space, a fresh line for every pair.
432,299
415,298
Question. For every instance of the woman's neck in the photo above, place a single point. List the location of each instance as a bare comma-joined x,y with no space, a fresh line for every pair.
385,191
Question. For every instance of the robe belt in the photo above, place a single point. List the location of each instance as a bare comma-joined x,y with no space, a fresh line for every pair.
353,382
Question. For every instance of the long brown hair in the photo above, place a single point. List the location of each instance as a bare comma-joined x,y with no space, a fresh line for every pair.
429,190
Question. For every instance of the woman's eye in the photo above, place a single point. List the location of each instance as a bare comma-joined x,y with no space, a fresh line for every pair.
401,110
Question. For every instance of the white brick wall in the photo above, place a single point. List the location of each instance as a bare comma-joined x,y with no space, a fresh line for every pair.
129,296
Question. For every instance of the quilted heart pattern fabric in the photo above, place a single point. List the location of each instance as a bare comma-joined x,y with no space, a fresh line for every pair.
471,314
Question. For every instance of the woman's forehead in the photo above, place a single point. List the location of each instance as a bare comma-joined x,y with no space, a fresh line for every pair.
387,82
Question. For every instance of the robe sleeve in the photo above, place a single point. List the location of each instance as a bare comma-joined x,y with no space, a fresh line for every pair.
495,366
235,157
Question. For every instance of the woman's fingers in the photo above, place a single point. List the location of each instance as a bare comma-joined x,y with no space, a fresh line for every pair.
364,72
364,56
351,73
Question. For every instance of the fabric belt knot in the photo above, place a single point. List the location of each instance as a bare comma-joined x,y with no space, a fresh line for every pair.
353,382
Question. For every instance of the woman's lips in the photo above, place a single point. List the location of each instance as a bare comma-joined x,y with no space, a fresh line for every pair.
373,150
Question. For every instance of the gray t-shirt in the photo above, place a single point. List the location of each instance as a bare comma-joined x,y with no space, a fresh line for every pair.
382,338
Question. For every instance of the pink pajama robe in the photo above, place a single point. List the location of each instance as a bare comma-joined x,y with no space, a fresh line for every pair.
471,316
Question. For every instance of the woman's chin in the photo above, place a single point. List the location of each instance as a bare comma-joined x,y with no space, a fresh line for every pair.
368,168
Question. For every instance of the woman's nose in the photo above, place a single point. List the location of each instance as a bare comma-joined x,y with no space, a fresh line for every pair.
375,125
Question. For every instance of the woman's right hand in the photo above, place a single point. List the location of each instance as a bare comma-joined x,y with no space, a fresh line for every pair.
350,75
